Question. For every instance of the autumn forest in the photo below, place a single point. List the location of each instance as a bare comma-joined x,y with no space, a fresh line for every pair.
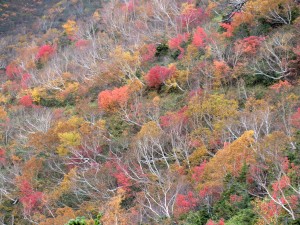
150,112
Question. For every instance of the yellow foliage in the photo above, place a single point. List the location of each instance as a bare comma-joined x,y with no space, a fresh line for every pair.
37,93
197,156
3,99
114,213
191,53
70,138
187,7
70,27
135,85
75,121
65,185
178,78
63,215
62,151
69,89
229,160
31,168
101,124
96,15
70,125
156,101
126,62
150,129
267,8
215,109
3,113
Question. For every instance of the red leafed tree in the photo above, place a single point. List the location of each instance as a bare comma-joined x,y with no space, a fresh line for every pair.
200,37
122,179
229,29
174,118
249,45
26,101
149,53
185,203
190,15
196,92
221,222
2,156
129,6
110,100
24,80
296,119
176,43
157,75
29,198
235,198
197,172
281,86
82,44
12,70
45,52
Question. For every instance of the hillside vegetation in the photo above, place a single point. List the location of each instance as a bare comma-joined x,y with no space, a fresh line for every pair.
150,112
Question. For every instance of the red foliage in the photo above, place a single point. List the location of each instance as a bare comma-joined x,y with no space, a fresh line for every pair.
249,45
297,50
208,191
295,63
221,67
150,53
221,222
192,16
128,6
45,52
109,100
119,173
210,222
293,201
157,75
174,118
29,198
26,101
176,43
200,37
2,156
285,164
24,80
281,86
196,92
186,202
269,209
296,119
229,29
12,70
281,184
235,198
197,172
123,180
82,44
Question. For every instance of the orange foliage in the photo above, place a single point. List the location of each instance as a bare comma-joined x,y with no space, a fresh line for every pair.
228,160
110,100
63,215
249,45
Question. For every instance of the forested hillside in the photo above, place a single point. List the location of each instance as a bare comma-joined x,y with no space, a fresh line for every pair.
121,112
